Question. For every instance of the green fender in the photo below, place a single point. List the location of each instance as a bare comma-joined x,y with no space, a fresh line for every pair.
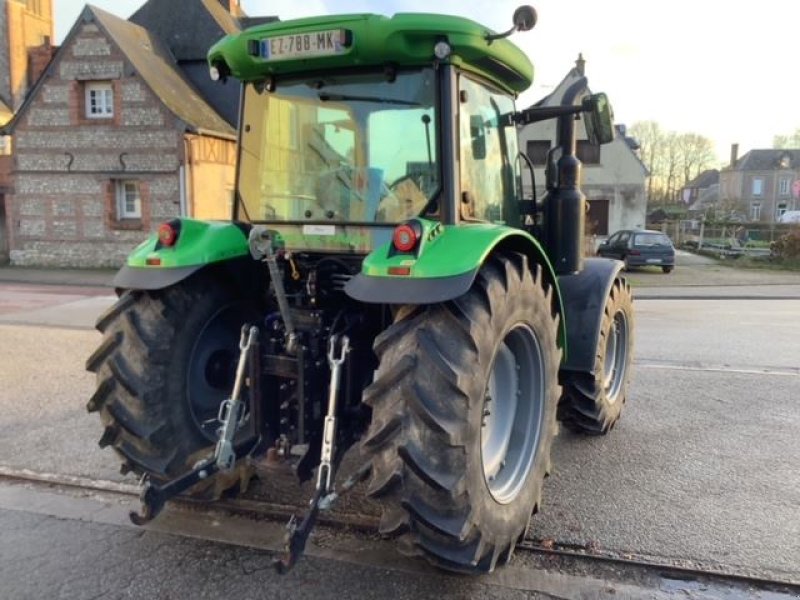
446,261
153,266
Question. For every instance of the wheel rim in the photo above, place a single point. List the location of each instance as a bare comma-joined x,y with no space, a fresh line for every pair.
616,361
512,414
212,368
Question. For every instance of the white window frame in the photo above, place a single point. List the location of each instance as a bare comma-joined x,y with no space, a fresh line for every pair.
758,186
782,208
129,200
99,100
784,184
755,211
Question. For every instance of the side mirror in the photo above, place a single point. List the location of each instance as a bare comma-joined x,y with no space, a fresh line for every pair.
524,18
477,131
599,119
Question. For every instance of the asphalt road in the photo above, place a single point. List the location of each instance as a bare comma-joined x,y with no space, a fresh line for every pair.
701,470
66,543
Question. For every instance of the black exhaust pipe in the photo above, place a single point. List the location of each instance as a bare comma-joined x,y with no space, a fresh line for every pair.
564,204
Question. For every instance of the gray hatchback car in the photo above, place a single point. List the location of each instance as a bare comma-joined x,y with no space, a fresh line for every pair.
640,248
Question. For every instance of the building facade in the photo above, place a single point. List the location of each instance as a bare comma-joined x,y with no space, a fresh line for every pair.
26,30
762,185
24,24
115,139
613,176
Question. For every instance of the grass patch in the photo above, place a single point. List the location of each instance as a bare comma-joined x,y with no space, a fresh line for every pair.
764,263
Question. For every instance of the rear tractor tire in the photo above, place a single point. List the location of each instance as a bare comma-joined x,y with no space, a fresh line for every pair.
592,403
464,413
166,362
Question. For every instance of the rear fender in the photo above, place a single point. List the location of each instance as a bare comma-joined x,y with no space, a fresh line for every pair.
444,265
584,296
152,266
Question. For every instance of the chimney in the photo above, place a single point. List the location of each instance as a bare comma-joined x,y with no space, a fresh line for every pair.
580,65
233,7
38,59
734,155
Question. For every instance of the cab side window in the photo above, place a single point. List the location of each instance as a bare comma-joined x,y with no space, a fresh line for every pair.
488,150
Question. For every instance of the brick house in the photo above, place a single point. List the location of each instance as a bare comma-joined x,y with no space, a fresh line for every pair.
120,134
613,174
760,186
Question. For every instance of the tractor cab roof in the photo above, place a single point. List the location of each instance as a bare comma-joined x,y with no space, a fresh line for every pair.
293,48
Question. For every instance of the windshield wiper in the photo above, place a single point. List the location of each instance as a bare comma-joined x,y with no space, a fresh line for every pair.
345,97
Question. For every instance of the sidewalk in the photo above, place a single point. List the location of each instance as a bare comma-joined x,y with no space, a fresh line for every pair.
688,281
56,276
719,292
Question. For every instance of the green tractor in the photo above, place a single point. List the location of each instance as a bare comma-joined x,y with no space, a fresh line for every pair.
383,283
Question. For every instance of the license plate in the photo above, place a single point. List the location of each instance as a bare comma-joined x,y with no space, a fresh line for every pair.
304,45
654,261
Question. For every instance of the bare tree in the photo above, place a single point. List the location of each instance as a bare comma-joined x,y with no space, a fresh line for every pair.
651,140
672,158
697,153
791,140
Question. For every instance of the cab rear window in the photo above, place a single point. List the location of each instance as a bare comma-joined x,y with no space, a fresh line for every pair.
651,239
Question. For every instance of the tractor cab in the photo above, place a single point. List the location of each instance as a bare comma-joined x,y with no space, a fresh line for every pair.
354,124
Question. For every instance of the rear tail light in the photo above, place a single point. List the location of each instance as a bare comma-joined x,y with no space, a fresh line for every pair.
406,236
168,234
634,253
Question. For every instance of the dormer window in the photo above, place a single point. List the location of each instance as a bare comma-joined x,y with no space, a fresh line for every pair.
785,161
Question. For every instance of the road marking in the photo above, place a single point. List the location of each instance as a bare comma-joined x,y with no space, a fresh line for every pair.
782,372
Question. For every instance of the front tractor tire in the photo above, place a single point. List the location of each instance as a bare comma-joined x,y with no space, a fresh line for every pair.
464,414
593,402
166,361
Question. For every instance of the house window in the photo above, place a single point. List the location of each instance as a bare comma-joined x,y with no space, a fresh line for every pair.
537,151
758,186
783,186
129,200
755,211
587,153
782,208
99,101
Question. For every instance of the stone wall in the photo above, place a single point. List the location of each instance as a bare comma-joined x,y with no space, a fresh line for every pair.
64,210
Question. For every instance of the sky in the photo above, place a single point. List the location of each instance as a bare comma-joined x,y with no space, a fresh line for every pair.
718,68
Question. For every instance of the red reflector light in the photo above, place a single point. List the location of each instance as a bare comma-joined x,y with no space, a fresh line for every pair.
399,270
167,235
405,238
153,262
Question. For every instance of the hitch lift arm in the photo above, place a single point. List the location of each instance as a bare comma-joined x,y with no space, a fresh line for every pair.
231,415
